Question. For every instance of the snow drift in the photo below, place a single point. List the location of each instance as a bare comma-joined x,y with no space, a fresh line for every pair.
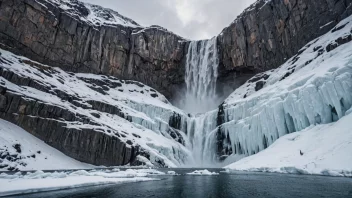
19,150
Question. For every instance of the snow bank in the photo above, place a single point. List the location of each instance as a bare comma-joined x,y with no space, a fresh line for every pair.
202,172
19,150
322,150
39,181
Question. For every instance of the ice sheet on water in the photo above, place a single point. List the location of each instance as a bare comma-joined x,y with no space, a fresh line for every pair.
40,181
202,172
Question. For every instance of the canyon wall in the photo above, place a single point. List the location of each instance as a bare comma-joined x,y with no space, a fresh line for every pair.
270,32
45,32
261,38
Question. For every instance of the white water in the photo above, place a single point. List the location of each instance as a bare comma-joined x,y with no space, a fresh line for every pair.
200,97
201,133
200,77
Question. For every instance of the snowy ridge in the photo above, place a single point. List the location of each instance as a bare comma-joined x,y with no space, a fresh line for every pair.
313,87
97,16
92,14
141,116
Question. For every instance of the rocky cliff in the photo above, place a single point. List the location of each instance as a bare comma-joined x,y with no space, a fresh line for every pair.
81,37
270,32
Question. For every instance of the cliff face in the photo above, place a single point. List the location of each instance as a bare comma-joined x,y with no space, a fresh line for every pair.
85,38
270,32
80,37
49,122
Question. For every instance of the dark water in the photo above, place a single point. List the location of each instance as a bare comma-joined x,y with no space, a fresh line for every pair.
223,185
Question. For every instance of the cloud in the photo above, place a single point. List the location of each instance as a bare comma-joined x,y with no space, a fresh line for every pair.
192,19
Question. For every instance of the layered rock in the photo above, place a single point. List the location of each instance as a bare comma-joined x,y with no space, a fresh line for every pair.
63,34
86,38
95,119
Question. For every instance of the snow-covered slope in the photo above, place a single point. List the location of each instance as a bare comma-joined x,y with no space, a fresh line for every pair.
326,149
313,87
135,113
19,150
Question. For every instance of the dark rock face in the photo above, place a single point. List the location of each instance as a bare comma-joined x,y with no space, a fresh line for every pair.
268,33
48,122
261,38
52,36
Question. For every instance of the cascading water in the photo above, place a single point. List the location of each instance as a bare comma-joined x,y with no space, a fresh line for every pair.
200,77
202,129
200,97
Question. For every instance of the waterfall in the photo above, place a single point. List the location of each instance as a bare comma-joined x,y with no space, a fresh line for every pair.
201,72
200,77
202,129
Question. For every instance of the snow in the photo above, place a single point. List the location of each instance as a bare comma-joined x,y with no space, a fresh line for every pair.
202,172
97,15
40,181
34,154
326,150
326,24
172,173
314,87
148,110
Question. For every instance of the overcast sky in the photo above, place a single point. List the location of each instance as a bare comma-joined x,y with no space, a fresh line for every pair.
192,19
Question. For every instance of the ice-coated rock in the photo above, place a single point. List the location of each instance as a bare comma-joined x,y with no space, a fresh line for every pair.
95,119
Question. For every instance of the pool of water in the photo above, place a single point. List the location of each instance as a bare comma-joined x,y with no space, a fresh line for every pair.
239,184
